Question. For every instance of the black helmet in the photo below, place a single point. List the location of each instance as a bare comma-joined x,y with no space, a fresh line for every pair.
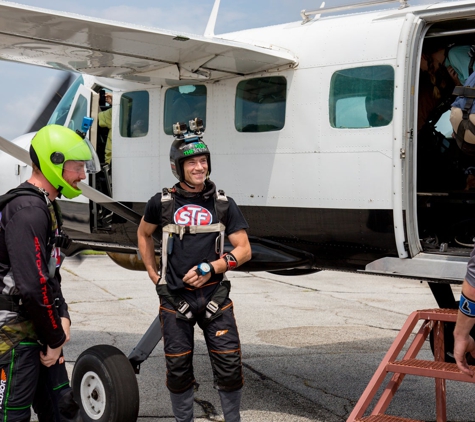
188,143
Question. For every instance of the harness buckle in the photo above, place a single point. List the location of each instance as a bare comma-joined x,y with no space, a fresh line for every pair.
212,306
182,307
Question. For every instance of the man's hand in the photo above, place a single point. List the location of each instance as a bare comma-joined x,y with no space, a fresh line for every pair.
454,76
51,356
66,324
462,346
193,279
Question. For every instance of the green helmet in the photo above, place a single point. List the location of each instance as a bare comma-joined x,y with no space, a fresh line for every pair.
52,146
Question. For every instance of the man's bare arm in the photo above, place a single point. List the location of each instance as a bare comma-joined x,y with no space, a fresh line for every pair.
147,248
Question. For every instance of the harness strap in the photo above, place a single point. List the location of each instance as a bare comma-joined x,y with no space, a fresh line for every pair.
10,303
182,306
181,230
219,296
464,91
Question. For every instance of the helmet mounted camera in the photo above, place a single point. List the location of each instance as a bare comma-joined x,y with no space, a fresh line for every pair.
188,143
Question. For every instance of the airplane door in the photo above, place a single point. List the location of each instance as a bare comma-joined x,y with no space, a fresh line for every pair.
84,104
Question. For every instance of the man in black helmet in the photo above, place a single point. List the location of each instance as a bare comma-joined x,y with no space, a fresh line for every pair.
192,285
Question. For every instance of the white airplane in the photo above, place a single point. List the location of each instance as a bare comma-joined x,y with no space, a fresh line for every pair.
312,127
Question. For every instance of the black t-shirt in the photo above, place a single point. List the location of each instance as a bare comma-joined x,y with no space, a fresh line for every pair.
193,248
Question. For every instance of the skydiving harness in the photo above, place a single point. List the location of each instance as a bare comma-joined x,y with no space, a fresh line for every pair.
20,326
169,229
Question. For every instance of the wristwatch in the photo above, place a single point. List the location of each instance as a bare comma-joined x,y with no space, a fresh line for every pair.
204,268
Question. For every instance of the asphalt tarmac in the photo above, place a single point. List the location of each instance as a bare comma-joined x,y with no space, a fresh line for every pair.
310,344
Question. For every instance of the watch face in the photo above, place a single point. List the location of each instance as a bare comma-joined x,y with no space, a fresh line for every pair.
205,268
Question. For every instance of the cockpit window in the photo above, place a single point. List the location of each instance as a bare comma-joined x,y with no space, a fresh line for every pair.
134,114
62,109
182,104
260,104
362,97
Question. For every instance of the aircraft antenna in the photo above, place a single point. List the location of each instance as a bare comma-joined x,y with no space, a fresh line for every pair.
306,14
209,31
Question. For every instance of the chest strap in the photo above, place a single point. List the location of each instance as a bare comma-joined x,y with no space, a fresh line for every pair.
181,230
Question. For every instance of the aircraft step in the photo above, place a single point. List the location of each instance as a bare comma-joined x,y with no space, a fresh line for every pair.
386,418
428,368
433,320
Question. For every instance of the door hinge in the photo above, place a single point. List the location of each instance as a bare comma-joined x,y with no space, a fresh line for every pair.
402,154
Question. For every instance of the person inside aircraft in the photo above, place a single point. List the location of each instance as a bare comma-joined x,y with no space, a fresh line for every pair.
378,111
196,289
105,121
34,318
436,84
458,63
436,150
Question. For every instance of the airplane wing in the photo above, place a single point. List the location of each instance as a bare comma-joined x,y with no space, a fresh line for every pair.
111,49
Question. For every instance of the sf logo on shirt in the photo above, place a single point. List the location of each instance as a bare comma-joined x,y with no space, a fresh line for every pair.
193,215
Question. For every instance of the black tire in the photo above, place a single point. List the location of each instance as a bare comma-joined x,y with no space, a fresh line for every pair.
105,385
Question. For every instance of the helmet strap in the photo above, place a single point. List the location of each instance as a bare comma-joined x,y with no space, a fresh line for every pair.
187,184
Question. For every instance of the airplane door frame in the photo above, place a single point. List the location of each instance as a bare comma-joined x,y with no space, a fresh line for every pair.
401,141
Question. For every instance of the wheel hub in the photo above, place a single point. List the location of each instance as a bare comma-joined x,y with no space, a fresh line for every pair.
93,396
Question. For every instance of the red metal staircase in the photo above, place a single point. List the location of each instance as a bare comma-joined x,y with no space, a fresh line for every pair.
434,320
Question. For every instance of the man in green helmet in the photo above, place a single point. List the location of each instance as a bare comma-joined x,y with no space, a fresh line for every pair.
34,318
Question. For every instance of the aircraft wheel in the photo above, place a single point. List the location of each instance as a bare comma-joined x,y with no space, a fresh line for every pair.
105,385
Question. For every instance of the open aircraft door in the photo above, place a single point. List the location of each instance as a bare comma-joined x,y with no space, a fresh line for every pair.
84,104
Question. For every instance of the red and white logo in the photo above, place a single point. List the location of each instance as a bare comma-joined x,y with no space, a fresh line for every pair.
193,215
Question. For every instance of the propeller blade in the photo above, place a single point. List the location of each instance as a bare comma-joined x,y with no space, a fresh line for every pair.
43,117
94,195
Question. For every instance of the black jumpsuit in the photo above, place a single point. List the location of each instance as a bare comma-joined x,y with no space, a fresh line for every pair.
27,229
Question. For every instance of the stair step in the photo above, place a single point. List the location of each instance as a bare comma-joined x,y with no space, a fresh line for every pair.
386,418
429,368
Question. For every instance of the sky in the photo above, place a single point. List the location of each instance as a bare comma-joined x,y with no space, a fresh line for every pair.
25,87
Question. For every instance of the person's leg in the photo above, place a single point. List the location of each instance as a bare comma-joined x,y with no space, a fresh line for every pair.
182,405
231,403
54,401
19,371
224,348
178,347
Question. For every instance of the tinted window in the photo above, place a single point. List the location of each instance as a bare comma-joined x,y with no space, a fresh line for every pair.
362,97
182,104
62,109
260,104
134,111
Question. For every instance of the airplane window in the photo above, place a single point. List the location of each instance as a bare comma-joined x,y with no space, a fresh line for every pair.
184,103
260,104
362,97
134,112
80,110
62,109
